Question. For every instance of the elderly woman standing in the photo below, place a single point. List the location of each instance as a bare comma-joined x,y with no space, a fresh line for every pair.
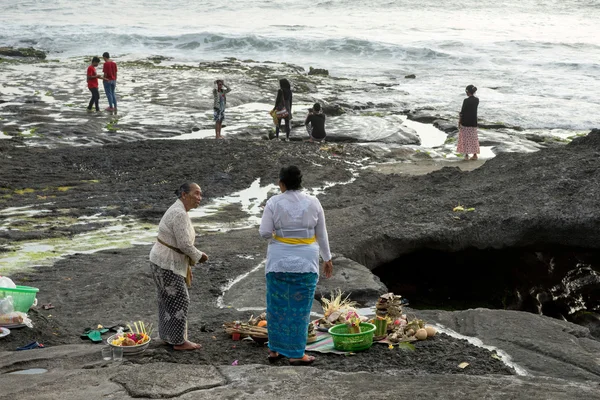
468,141
295,223
171,259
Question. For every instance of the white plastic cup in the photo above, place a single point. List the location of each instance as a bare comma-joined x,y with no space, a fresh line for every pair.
106,353
117,353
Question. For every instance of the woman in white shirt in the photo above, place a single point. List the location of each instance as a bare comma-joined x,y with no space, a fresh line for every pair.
171,259
295,223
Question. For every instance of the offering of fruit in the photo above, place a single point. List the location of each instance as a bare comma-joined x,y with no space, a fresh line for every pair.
141,335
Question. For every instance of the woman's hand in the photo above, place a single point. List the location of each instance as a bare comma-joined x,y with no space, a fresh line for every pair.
328,268
203,259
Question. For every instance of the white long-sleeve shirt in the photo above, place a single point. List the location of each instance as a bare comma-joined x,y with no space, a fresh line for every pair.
175,229
293,214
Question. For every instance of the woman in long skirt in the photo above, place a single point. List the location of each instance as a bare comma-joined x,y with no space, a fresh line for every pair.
171,259
468,141
295,223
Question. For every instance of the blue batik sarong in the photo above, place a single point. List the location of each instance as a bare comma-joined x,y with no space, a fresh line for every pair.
289,301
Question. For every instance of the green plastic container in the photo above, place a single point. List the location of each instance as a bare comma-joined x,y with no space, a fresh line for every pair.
342,340
23,297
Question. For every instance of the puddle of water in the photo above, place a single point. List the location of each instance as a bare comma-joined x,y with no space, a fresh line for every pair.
429,134
123,232
201,134
250,200
31,371
126,232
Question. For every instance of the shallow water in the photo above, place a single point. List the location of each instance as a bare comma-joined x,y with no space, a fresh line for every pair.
529,59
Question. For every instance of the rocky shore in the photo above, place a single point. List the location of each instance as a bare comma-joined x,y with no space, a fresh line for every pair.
529,246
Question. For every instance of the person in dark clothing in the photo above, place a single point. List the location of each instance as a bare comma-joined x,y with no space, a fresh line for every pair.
283,107
468,140
315,124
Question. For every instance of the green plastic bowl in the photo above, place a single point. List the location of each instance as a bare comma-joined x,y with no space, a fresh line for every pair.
23,297
342,340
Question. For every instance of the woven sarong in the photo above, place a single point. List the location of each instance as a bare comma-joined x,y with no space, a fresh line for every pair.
468,140
289,301
173,304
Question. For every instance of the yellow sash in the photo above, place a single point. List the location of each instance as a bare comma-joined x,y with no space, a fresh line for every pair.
295,240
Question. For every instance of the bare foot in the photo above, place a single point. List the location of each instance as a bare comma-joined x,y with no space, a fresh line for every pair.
187,345
474,158
466,158
305,360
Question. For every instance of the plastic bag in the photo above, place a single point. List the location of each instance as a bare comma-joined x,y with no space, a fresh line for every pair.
6,282
15,318
6,305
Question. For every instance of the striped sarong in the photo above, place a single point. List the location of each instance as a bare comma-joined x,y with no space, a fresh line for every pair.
289,301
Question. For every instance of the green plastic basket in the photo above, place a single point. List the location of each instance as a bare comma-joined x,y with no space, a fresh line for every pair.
342,340
23,297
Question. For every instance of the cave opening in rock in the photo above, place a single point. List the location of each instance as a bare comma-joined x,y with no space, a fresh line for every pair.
556,281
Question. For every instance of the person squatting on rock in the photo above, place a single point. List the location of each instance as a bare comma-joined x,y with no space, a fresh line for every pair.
295,224
283,107
171,261
468,140
92,83
110,81
219,103
315,124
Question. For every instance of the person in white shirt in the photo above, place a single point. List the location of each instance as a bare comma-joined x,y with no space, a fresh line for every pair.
171,259
295,224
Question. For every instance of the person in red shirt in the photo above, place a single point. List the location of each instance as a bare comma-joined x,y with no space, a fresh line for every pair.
92,82
110,81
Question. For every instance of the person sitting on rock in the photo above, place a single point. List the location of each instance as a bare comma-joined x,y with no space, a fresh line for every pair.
315,124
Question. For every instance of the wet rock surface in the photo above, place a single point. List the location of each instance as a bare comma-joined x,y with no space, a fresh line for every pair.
249,381
536,343
22,52
538,201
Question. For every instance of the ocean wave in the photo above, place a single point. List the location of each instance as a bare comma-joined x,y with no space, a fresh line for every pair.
243,44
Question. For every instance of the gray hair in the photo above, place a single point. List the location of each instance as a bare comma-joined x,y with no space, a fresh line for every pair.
184,188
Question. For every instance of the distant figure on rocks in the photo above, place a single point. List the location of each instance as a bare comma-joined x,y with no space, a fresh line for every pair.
283,107
92,83
468,141
220,102
110,81
315,124
171,261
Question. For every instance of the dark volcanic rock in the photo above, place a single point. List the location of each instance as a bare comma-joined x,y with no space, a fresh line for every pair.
318,71
536,343
22,52
411,76
332,110
550,197
354,280
540,205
